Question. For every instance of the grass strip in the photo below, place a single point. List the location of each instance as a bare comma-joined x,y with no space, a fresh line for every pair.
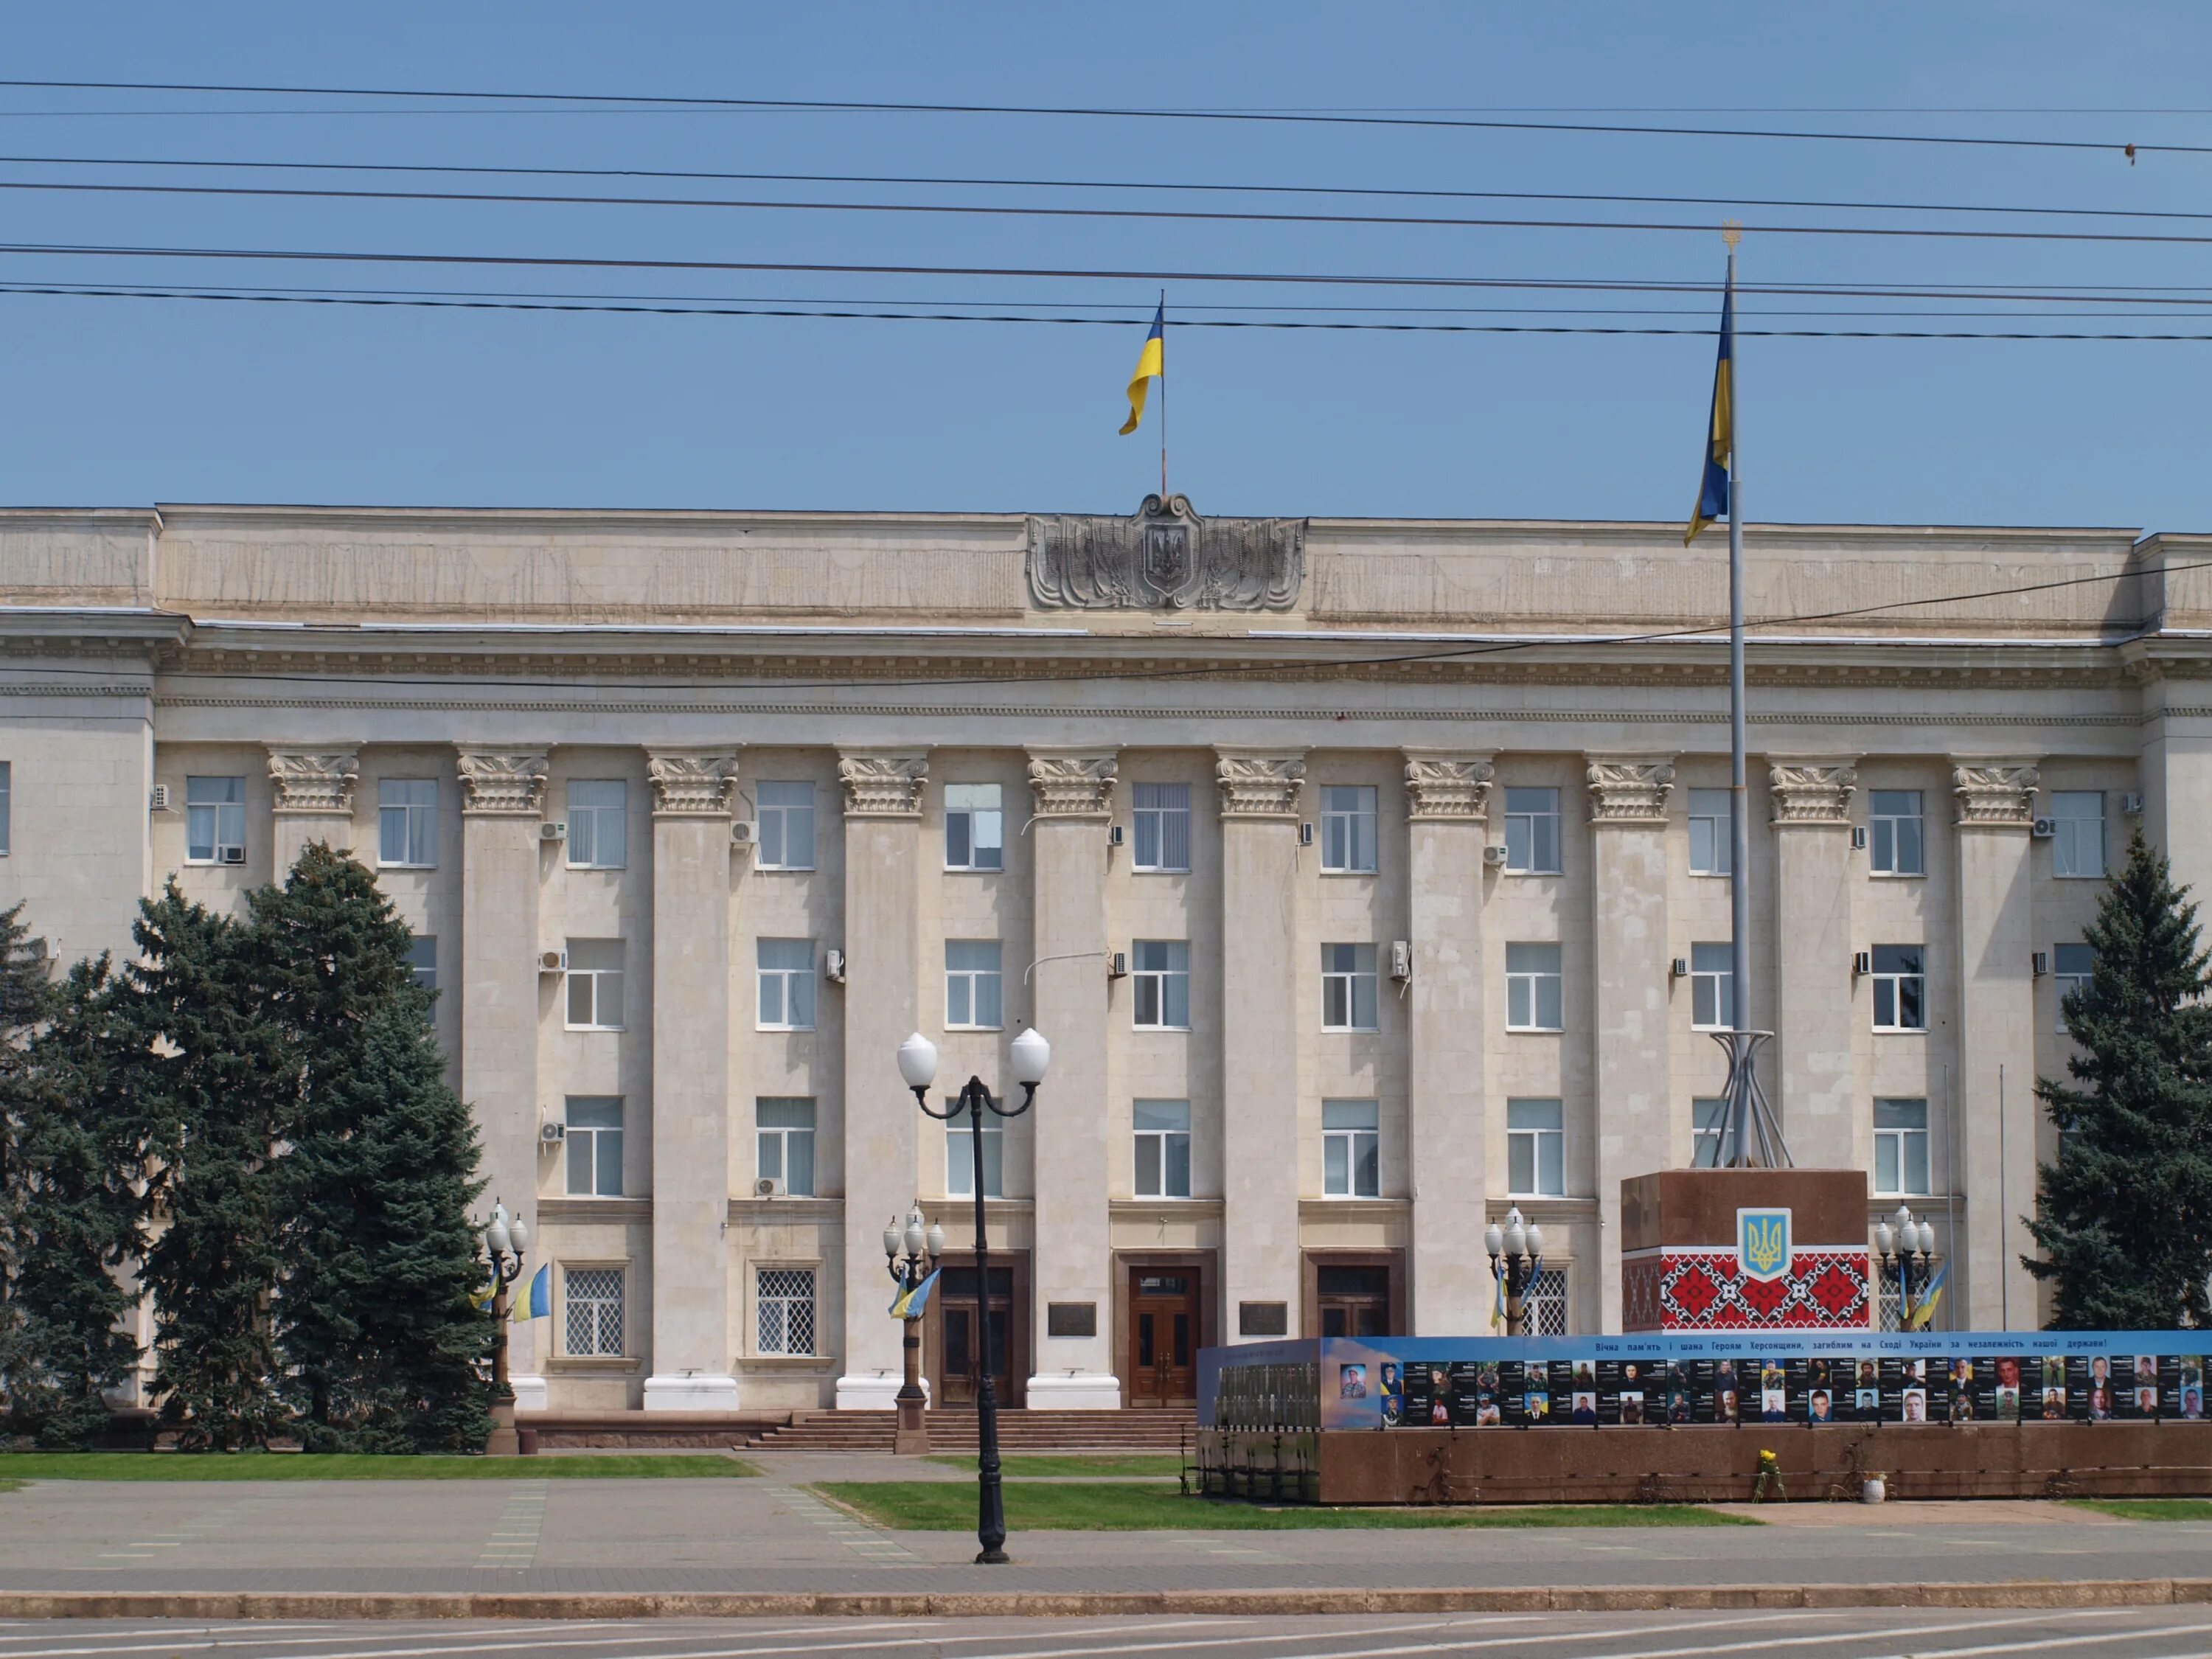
945,1506
18,1467
1038,1465
2149,1509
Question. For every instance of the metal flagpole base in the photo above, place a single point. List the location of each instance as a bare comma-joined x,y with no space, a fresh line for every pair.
1751,1135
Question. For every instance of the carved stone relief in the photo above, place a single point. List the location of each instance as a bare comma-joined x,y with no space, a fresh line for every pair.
1807,792
691,783
883,786
499,782
1073,785
319,780
1164,558
1995,795
1259,786
1448,787
1630,791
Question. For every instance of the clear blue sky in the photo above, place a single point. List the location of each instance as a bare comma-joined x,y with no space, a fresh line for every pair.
128,402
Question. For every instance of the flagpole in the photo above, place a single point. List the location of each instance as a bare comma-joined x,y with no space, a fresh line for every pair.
1164,397
1739,788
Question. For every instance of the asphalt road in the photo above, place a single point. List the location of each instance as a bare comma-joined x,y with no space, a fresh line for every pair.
2116,1633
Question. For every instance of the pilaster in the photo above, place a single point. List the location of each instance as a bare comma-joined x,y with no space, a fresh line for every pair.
1633,1110
313,791
1814,939
1447,807
692,1342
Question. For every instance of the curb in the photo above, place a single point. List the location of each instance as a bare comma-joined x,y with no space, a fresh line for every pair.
219,1605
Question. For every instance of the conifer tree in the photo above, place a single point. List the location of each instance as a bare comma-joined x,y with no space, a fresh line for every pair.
2124,1215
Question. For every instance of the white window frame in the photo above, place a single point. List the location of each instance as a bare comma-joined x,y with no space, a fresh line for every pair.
785,1310
604,1324
1890,983
1159,829
784,1000
1532,819
1349,988
410,806
1161,984
588,823
1539,1140
223,812
1539,970
1712,987
777,1144
1708,1130
974,987
1886,841
959,1157
1166,1145
1357,1147
1347,829
423,961
2066,980
602,986
785,838
2078,850
1903,1142
598,1145
1713,832
976,810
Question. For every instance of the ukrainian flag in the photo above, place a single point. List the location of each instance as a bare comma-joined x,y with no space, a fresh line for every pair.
1151,363
537,1301
1720,441
913,1302
1924,1309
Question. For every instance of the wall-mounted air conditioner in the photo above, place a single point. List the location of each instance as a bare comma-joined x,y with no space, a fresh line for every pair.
552,962
2131,804
1494,855
833,964
1858,838
552,1134
1113,834
230,855
1861,961
2045,828
1401,959
2039,962
157,797
554,829
1305,835
742,833
1117,965
1679,968
767,1187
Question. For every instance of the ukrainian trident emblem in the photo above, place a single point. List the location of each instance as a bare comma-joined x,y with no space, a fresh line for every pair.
1762,1241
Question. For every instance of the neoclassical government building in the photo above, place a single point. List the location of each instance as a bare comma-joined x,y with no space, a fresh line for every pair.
1365,876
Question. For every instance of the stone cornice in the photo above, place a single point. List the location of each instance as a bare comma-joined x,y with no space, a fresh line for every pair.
1994,795
1260,785
1447,788
319,780
883,784
1806,792
691,783
1065,785
502,782
1629,789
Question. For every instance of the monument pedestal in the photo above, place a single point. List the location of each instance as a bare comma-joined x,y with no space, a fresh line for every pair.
1746,1249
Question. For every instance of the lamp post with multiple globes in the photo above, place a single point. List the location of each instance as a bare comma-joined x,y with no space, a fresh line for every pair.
1908,1249
923,1252
1521,1245
505,1240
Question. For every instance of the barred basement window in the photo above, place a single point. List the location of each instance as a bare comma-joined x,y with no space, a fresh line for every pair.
594,1309
783,1298
1544,1304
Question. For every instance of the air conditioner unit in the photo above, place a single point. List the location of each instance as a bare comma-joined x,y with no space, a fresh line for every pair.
230,855
1113,834
1305,835
1679,968
157,798
555,831
742,833
1117,965
2131,804
2038,962
1858,838
767,1187
552,1134
552,962
1494,855
2045,828
1401,959
1861,961
833,964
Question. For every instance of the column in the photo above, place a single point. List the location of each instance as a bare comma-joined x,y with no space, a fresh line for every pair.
502,800
314,790
691,1336
2176,778
1629,953
1447,804
883,959
1811,1078
1073,797
1995,1130
1263,1021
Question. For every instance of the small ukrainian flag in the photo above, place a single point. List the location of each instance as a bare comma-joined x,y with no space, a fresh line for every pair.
1924,1309
913,1302
1720,440
537,1301
1151,364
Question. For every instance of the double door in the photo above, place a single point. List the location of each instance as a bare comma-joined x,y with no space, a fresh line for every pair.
960,1337
1163,1335
1353,1301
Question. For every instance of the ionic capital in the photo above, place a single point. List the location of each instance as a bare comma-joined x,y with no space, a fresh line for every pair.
691,783
502,782
1259,785
1447,788
317,781
1811,792
883,785
1630,789
1994,795
1065,785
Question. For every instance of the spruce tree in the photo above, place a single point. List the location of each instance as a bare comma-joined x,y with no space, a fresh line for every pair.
2124,1215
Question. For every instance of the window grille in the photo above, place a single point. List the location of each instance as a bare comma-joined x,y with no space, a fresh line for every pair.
594,1310
783,1300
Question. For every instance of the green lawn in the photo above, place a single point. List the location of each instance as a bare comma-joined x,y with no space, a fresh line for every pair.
1035,1464
2150,1509
300,1465
946,1506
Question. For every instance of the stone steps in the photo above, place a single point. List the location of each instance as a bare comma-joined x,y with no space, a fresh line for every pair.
954,1430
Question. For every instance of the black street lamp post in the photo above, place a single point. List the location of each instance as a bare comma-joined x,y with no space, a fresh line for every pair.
505,1240
917,1062
1514,1254
1908,1248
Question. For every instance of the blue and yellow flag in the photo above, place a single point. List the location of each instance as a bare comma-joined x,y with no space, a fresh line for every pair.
1151,363
913,1302
537,1301
1720,441
1930,1294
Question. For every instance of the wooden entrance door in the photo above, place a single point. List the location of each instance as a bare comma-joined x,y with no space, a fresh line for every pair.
960,1341
1353,1301
1163,1335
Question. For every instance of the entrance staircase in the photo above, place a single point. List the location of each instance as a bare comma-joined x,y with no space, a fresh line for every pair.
953,1429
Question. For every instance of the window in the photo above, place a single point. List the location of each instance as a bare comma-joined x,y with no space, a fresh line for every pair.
1163,977
595,1145
595,984
1163,1148
2071,966
786,984
407,822
214,820
1532,831
423,961
1347,827
1161,820
785,1127
593,1296
1900,988
597,823
1894,817
1536,1149
1708,1129
1532,988
783,1303
6,768
2078,848
972,983
960,1156
1713,832
974,827
1348,987
1544,1304
786,827
1712,987
1350,1150
1900,1147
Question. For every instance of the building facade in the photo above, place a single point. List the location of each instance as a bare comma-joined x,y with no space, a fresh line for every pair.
1366,877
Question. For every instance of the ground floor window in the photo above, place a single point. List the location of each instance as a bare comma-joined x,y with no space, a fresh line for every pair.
783,1303
1544,1304
595,1310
